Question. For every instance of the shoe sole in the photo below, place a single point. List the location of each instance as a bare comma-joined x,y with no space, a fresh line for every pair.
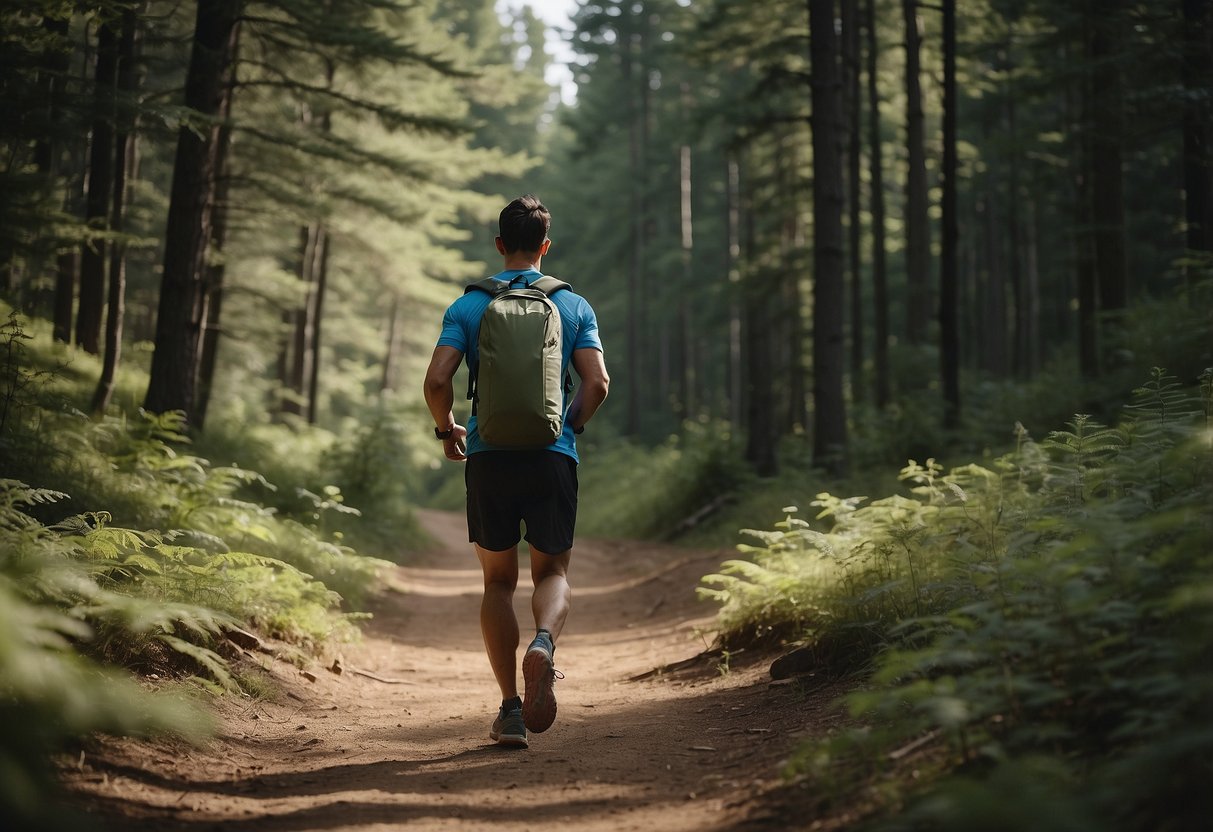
539,699
510,740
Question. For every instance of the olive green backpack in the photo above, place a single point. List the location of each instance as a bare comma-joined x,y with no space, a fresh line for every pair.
517,388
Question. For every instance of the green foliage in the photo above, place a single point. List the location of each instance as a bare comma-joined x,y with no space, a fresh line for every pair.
628,490
381,465
56,605
138,468
181,554
1041,627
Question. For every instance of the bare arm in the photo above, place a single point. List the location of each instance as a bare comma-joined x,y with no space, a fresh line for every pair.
440,395
591,368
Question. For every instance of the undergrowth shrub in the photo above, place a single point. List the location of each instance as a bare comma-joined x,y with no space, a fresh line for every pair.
378,464
179,556
633,491
139,470
358,484
1040,627
55,681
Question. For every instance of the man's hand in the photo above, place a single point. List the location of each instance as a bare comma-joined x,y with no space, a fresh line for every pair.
440,395
593,389
455,446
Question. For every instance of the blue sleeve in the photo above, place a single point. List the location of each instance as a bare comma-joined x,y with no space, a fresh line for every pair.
587,330
453,331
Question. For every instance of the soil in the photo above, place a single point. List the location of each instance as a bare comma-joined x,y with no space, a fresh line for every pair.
652,732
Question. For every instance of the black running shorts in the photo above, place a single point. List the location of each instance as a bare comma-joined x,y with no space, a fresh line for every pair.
508,488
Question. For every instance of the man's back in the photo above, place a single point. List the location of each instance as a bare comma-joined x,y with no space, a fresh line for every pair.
461,330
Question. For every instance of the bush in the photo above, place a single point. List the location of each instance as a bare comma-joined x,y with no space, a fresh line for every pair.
54,609
627,490
1051,617
178,558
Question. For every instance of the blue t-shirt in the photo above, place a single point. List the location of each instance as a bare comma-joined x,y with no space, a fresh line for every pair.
461,330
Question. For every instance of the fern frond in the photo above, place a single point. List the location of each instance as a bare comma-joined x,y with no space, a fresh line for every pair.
16,493
211,661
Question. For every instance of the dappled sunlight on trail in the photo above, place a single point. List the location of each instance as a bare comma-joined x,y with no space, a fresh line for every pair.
400,736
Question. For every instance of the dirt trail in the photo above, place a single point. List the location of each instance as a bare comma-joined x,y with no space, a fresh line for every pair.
695,749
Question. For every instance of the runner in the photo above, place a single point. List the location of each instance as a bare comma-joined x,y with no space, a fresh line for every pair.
509,487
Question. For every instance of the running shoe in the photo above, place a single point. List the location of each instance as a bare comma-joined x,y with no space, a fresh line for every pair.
539,675
508,728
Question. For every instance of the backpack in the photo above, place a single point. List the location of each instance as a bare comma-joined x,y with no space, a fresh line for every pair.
516,389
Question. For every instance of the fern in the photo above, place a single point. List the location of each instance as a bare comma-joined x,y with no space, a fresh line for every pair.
1052,610
127,549
1080,455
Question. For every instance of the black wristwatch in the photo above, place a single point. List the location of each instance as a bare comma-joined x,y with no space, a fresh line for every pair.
444,434
579,431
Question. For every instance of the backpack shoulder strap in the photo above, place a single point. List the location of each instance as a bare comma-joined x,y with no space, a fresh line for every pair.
490,284
549,285
495,286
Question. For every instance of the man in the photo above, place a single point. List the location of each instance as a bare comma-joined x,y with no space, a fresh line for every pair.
506,488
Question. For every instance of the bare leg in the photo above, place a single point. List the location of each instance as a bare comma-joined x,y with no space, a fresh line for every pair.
552,597
498,624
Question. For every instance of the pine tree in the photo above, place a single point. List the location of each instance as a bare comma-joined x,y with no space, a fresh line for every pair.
173,381
830,433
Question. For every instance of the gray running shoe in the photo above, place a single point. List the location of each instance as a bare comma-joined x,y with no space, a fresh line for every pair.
539,676
508,729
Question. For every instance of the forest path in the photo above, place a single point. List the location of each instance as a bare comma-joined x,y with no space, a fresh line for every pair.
693,749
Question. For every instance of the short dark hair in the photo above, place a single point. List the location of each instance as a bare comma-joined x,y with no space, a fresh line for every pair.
524,224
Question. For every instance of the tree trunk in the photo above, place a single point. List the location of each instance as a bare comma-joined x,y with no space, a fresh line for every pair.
1031,335
635,79
760,405
303,318
851,75
733,270
391,352
830,434
1022,325
686,377
208,353
284,363
970,278
216,272
299,369
56,63
67,266
1107,174
789,324
97,205
949,324
321,269
761,439
880,284
124,164
917,221
172,384
1088,332
993,297
68,263
1198,127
